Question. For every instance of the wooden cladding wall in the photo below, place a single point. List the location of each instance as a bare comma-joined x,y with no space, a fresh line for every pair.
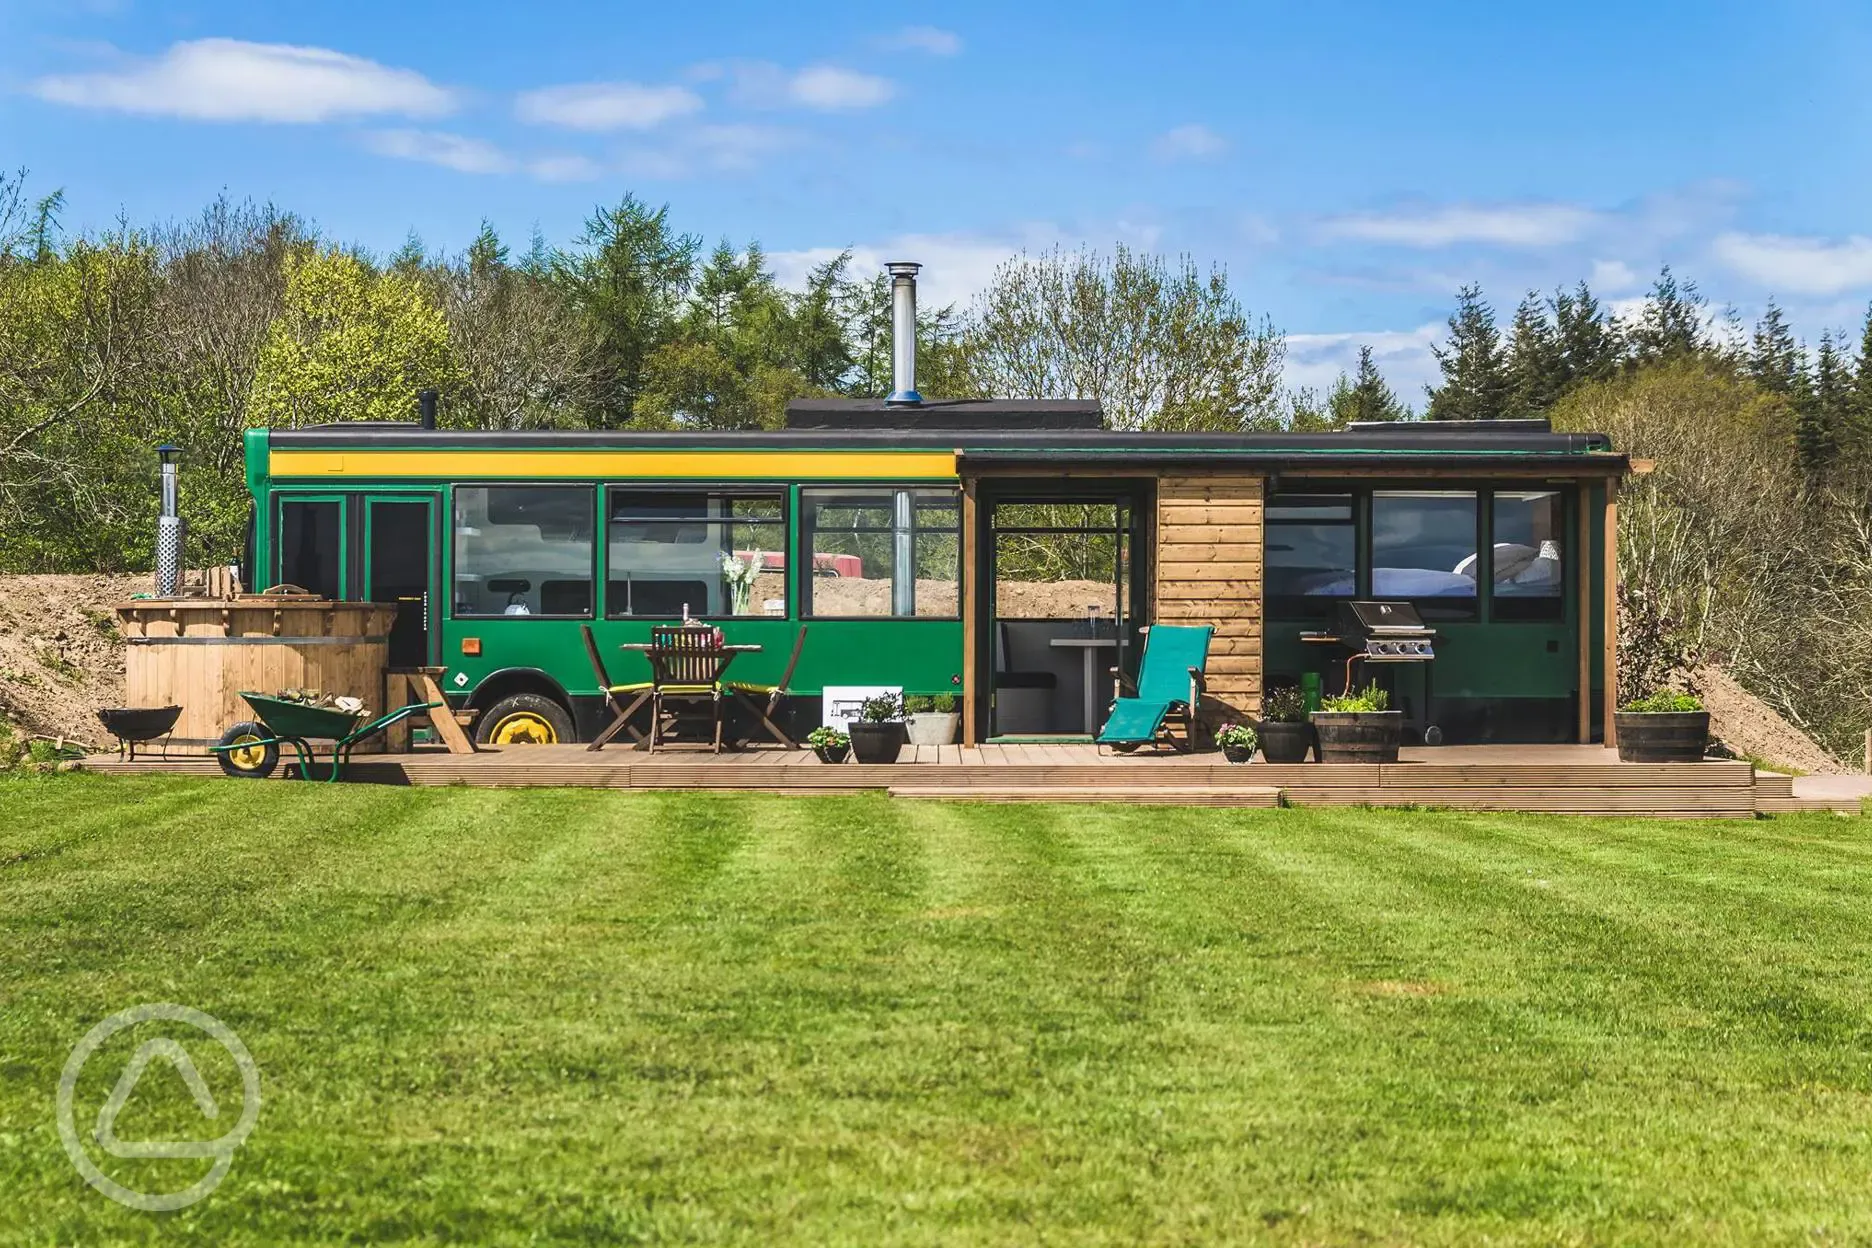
1208,571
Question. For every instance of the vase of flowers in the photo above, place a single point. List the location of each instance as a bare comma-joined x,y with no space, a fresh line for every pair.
738,576
1237,741
829,744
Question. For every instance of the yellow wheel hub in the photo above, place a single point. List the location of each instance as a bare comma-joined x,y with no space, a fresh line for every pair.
248,754
523,728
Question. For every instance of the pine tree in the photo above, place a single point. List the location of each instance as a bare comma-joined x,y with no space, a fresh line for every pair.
1821,416
1364,396
1475,375
1857,450
1775,361
1537,368
1589,339
1671,324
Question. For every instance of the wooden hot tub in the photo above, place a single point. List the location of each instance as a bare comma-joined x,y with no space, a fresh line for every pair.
199,653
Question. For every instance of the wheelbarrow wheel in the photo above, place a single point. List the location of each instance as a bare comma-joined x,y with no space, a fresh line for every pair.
248,751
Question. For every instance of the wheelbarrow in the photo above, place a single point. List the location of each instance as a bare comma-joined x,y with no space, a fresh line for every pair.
250,750
139,725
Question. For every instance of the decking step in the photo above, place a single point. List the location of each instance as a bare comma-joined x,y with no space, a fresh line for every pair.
1805,805
1155,795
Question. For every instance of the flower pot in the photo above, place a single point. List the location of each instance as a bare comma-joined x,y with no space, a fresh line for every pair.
1237,753
831,753
1662,736
876,743
1358,736
1285,743
933,727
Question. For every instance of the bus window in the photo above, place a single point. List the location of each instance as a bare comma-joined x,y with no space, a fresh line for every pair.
311,547
712,554
523,550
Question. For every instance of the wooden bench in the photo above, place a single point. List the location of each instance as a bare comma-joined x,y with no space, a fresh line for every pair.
403,685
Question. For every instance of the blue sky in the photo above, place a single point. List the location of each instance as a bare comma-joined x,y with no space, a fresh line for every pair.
1351,164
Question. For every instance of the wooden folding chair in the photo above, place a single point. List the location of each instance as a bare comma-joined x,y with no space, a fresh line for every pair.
776,695
613,695
685,666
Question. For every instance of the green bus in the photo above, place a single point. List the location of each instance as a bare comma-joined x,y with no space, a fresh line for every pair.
1003,552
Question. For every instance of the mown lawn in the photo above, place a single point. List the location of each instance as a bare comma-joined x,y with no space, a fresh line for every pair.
562,1016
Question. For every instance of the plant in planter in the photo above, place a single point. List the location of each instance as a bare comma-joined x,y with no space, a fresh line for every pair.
829,744
1237,742
1358,726
932,721
1286,736
877,735
1662,727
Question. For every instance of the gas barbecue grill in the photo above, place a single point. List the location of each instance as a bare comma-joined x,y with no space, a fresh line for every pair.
1385,632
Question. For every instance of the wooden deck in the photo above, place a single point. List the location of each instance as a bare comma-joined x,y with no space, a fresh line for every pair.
1564,779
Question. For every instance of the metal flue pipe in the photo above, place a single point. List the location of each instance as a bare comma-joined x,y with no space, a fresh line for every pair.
903,332
169,527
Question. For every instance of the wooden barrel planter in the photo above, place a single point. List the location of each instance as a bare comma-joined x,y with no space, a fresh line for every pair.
1662,736
199,654
1358,736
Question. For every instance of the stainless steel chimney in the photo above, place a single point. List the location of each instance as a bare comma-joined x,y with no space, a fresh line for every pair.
169,527
903,332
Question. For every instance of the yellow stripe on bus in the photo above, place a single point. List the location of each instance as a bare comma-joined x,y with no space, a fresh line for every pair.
467,465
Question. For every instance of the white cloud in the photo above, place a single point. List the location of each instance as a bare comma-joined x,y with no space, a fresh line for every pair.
1191,142
565,168
606,105
1402,355
955,266
435,147
1505,225
1612,275
730,148
830,87
231,80
826,88
1804,265
928,39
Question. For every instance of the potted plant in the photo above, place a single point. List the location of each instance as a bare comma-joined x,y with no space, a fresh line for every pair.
1237,742
1286,736
877,735
932,721
1358,726
1662,727
829,744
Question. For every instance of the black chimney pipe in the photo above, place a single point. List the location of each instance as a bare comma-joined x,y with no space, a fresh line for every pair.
426,408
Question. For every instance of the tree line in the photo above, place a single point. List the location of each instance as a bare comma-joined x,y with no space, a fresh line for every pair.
1557,342
191,332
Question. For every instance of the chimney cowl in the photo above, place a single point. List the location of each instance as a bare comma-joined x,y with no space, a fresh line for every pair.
903,333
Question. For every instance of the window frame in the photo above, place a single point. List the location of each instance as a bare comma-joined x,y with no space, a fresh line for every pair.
1358,524
454,555
1435,609
807,529
347,560
708,489
1568,594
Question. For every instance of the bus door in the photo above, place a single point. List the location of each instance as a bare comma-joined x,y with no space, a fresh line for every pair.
400,566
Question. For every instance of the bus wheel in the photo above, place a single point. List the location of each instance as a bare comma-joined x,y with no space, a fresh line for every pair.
524,719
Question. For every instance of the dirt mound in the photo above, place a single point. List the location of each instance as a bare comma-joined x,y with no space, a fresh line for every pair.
1750,728
61,656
